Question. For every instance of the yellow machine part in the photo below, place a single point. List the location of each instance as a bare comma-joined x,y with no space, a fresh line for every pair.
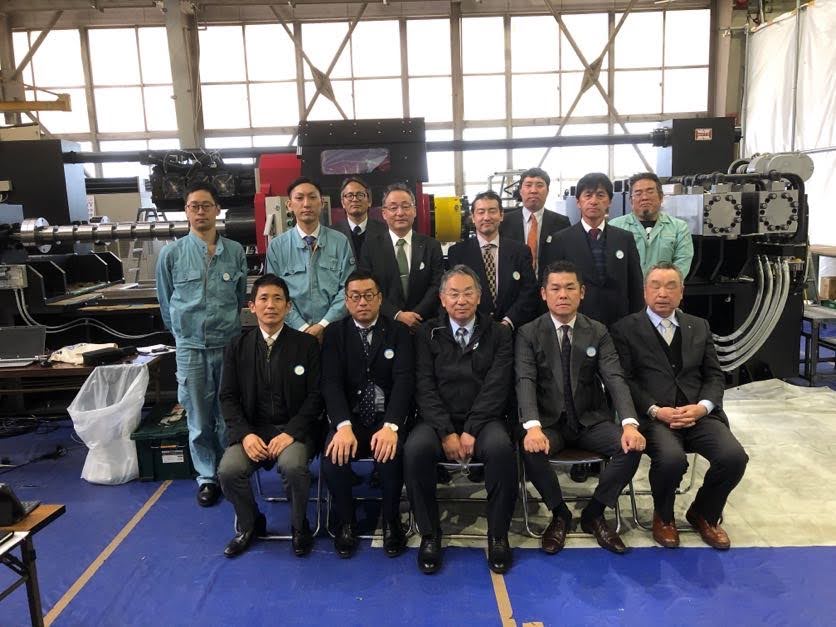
448,218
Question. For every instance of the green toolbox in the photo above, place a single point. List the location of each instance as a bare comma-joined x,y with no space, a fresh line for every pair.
162,445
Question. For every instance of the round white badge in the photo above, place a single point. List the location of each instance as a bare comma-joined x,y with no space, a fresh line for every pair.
516,275
226,276
388,353
549,239
421,267
591,352
619,254
300,370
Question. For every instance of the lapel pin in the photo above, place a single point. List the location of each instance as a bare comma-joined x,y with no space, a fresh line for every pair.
299,370
549,239
619,254
516,275
226,276
421,267
591,352
388,353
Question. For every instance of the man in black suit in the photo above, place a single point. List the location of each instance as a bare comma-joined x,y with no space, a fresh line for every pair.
272,406
502,264
406,264
368,381
534,225
356,196
559,357
463,379
606,256
677,385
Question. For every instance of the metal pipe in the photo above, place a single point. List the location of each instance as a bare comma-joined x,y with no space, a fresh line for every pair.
794,116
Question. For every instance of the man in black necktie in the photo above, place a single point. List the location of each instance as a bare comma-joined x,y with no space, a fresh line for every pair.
677,384
368,384
356,197
272,406
559,359
463,378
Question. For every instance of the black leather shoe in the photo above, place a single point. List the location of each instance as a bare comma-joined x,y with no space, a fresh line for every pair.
302,540
499,555
606,537
208,494
242,540
579,472
554,537
394,542
429,554
345,542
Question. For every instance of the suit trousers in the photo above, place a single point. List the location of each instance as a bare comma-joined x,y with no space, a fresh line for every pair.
340,479
667,450
493,448
603,438
236,469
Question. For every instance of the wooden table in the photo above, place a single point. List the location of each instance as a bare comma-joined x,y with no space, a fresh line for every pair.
38,519
816,315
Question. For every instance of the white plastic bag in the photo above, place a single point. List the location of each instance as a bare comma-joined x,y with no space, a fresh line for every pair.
106,410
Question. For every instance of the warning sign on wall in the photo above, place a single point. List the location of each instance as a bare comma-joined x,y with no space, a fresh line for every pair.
703,134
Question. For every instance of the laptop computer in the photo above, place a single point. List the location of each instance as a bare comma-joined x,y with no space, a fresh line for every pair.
13,510
21,346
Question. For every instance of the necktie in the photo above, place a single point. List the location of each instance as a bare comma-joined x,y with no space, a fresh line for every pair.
666,329
533,239
594,233
367,398
270,341
566,363
310,241
490,269
461,337
356,230
403,266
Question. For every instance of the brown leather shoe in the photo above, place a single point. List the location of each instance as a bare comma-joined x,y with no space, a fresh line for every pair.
554,537
606,537
712,535
665,533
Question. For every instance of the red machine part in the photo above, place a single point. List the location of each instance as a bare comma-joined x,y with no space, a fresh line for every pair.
423,219
275,173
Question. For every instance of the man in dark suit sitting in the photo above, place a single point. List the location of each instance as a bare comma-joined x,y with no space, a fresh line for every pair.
407,265
502,264
677,385
368,381
272,406
463,368
356,197
534,225
606,256
558,358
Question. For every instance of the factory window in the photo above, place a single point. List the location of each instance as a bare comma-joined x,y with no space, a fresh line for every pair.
428,47
431,98
440,166
483,66
480,164
625,160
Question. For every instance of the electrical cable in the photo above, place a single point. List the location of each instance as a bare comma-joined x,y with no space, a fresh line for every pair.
754,311
766,303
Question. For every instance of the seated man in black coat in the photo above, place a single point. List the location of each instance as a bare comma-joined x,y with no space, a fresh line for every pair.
463,378
368,380
677,385
272,406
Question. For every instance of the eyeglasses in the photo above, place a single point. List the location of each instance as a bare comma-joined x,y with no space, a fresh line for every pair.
198,206
355,195
638,193
467,294
404,206
355,297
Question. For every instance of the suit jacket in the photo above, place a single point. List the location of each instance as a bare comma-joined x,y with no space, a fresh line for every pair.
346,369
372,227
462,390
516,295
425,270
649,372
539,370
622,291
295,363
553,222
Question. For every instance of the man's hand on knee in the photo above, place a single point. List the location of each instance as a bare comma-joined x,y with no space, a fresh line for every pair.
255,448
536,441
278,444
384,445
343,446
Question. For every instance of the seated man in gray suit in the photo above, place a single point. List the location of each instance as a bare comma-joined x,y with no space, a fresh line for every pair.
677,384
558,356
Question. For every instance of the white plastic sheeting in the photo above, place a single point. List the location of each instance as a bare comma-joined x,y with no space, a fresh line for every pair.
771,87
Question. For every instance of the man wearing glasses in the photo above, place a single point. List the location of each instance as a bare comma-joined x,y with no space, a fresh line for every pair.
407,265
463,379
659,237
368,384
356,197
605,255
201,287
313,261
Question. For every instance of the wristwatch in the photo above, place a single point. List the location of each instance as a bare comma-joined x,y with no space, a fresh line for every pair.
391,425
653,411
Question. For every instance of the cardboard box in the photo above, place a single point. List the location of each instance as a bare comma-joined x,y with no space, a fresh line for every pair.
827,288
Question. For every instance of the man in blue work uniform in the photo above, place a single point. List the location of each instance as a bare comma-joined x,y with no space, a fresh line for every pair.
659,236
201,286
313,261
